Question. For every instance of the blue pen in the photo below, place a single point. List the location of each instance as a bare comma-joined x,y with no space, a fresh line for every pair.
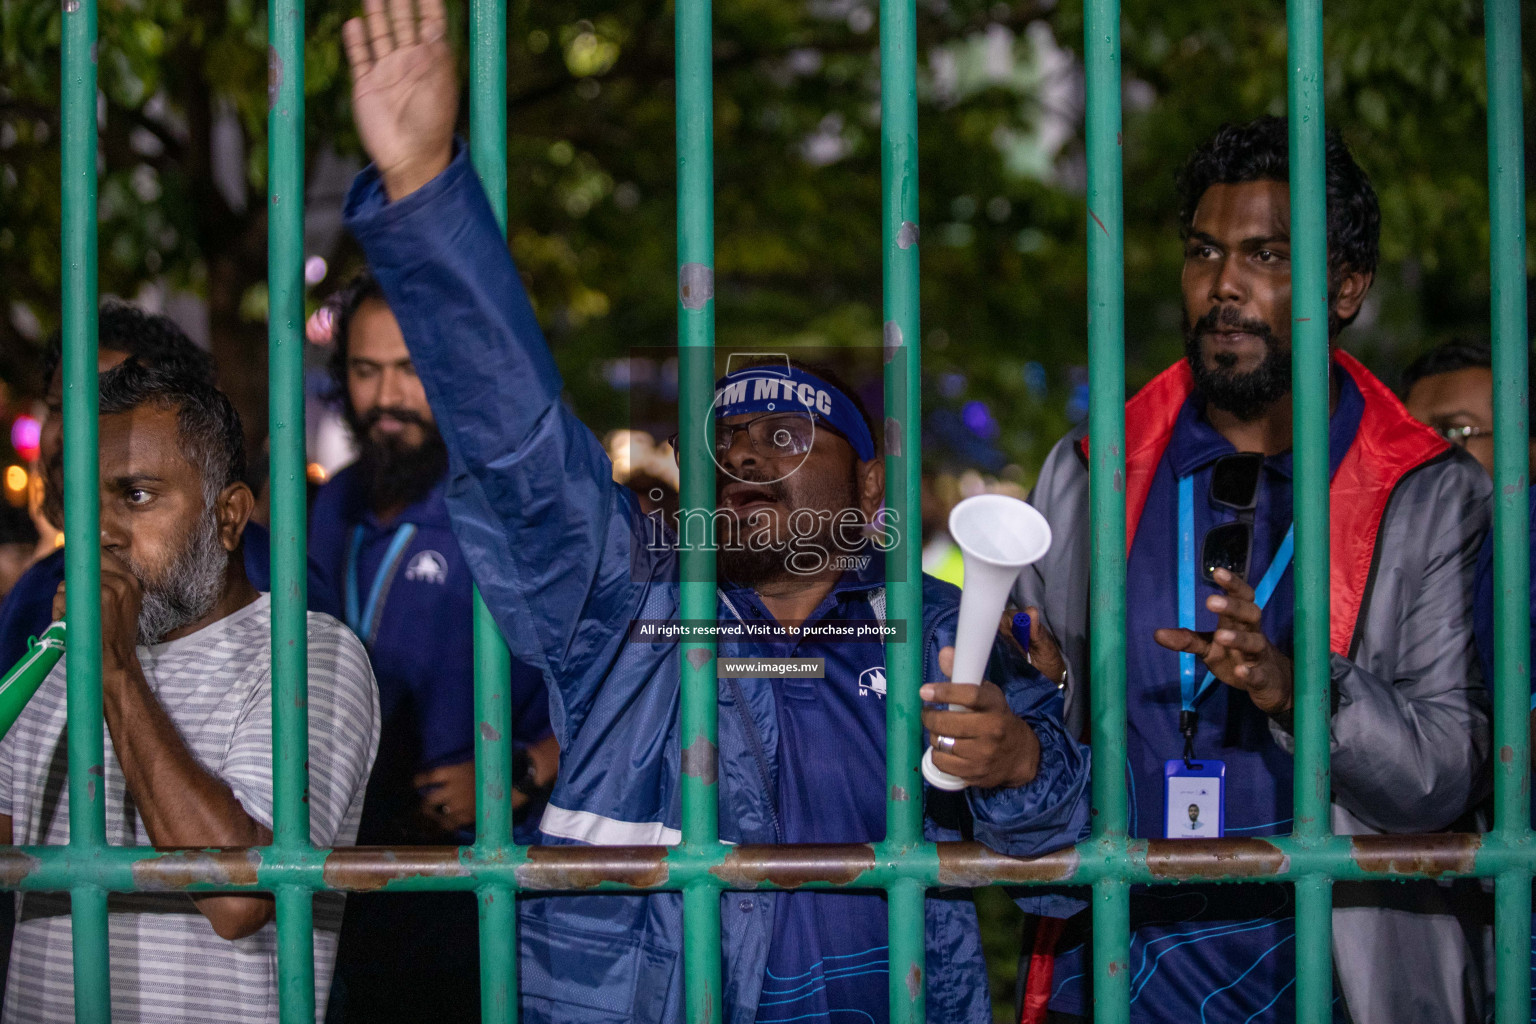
1020,627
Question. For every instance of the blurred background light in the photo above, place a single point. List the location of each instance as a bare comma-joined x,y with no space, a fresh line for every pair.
25,434
314,270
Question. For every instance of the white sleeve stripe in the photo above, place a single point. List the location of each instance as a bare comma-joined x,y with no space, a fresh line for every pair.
586,827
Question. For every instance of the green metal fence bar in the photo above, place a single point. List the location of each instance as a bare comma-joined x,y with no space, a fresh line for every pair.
285,333
493,801
493,669
1512,948
696,369
903,440
1310,394
82,526
1511,354
1310,391
1106,413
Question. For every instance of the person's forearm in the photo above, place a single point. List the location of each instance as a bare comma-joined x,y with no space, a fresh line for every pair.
180,803
1051,811
1401,763
524,470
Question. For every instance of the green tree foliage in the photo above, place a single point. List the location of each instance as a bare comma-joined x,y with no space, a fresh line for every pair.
797,170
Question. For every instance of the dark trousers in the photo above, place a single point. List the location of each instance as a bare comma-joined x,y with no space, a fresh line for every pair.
408,958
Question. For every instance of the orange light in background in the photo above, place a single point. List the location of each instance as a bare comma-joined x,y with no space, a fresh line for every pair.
16,485
316,473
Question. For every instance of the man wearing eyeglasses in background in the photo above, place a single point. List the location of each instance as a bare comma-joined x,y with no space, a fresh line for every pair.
1450,388
1210,610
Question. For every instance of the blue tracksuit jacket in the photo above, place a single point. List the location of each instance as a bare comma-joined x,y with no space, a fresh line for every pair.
559,552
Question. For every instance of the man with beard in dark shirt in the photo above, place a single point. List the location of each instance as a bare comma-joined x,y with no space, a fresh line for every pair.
381,535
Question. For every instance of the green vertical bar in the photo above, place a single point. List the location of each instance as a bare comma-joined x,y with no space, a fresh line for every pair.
1106,412
285,324
82,514
493,668
1512,924
1511,568
1310,390
498,953
908,979
493,704
295,955
1111,951
1314,949
88,930
903,435
493,808
903,403
696,343
1309,343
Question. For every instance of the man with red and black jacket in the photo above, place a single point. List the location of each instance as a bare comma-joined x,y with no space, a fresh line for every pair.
1210,608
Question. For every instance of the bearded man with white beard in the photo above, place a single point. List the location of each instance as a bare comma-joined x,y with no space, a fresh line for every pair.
187,697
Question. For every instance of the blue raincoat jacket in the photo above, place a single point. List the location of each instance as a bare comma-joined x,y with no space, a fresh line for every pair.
561,556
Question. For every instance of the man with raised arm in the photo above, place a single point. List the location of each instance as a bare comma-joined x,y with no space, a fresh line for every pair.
564,558
1210,606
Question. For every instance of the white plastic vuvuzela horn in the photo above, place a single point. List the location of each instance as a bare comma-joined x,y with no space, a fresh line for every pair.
998,536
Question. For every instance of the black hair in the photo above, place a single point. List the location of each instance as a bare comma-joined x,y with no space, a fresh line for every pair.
1260,151
150,338
206,421
1453,355
344,306
1456,354
833,378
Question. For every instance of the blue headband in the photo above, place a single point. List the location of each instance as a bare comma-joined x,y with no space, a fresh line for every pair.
791,389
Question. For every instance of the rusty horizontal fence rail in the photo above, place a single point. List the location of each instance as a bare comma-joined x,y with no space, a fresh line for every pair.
849,865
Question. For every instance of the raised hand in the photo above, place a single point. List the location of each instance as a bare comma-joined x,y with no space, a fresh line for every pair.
1238,652
405,95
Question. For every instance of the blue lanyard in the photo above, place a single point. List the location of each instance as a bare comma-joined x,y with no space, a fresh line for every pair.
363,623
1189,695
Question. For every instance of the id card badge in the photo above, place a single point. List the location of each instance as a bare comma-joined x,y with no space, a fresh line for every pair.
1194,799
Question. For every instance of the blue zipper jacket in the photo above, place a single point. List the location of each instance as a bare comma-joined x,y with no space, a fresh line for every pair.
561,556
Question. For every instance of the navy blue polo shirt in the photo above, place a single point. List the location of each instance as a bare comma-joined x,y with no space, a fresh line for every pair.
420,638
28,608
827,957
419,632
1206,953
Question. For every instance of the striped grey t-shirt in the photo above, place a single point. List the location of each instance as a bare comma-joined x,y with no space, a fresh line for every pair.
168,965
